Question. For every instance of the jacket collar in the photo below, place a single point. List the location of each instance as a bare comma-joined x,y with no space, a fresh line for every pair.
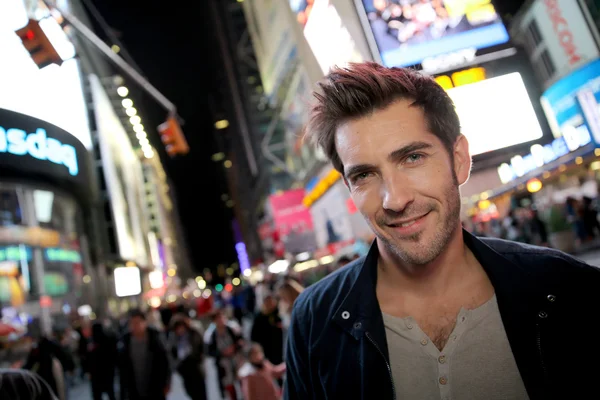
517,291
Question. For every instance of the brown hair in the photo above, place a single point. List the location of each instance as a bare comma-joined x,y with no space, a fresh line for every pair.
359,89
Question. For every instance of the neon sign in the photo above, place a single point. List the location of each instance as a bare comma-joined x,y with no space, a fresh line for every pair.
21,253
571,140
37,145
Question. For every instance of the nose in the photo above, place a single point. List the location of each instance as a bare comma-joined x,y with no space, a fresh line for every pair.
397,193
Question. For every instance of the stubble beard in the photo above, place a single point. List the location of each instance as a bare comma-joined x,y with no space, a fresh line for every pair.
411,250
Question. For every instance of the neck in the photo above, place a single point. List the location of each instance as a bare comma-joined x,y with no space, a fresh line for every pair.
432,279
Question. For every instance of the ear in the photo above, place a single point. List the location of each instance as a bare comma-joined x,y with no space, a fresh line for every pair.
462,159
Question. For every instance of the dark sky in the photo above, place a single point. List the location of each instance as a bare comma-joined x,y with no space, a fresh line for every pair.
172,42
176,54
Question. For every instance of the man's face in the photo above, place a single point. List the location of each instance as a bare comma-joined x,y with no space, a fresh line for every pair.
403,180
137,326
257,356
270,304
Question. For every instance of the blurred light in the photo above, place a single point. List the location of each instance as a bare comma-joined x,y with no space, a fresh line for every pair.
155,302
66,308
521,187
562,168
207,293
303,256
84,310
202,284
484,204
229,203
115,48
229,271
171,272
135,120
279,266
218,156
198,278
579,160
595,166
222,124
218,287
192,313
156,279
137,128
197,293
92,316
149,154
228,287
326,260
87,279
251,80
171,298
144,142
247,272
240,1
122,91
546,174
484,196
597,152
130,264
127,103
141,135
224,197
131,111
465,200
227,164
185,295
306,265
236,281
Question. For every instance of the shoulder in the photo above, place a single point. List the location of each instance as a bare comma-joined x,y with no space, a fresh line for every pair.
544,263
246,370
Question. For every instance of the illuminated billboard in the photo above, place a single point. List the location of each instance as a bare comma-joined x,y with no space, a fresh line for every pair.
409,31
53,94
487,129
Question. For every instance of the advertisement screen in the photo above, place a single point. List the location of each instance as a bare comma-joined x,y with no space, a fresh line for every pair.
53,94
408,31
124,178
483,108
326,33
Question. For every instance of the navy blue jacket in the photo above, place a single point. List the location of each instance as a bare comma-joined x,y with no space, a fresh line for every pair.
548,302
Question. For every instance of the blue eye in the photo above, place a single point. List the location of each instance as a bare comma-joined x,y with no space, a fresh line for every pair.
414,158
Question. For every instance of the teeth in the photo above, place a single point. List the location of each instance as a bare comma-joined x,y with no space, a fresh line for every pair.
407,224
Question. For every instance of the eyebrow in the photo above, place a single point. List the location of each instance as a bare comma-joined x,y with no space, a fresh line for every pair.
395,155
410,148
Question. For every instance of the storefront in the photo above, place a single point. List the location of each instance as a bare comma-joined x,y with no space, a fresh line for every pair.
44,188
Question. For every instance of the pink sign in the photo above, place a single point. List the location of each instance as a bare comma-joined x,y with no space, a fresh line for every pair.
289,213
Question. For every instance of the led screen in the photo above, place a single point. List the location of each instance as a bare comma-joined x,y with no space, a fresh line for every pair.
409,31
53,94
496,113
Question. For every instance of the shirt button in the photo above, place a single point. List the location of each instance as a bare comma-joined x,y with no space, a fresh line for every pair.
443,380
424,342
345,315
409,326
442,359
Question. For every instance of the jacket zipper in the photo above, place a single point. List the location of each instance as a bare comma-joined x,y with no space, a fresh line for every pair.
387,364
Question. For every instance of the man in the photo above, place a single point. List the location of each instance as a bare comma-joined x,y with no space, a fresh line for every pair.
268,330
144,364
187,349
431,312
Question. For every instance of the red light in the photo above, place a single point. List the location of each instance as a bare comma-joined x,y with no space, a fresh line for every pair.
29,35
229,287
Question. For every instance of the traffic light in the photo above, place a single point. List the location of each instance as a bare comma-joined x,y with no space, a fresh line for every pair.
172,137
38,45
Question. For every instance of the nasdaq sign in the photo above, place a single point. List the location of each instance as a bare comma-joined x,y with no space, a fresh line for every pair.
38,145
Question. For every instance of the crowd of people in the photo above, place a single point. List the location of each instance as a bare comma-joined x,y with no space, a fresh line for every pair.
135,357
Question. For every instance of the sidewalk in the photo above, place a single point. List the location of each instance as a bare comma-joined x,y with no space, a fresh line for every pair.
83,391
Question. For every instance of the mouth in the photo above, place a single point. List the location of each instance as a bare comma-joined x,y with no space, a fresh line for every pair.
409,226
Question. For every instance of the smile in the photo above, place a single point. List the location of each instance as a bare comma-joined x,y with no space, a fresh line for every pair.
410,226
